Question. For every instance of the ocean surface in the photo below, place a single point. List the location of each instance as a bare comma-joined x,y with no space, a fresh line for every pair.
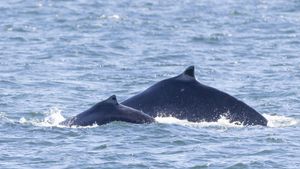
60,57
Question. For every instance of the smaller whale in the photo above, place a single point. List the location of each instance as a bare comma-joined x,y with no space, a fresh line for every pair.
107,111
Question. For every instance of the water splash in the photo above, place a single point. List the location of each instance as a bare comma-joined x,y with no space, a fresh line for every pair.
111,17
2,115
273,121
4,118
280,121
222,122
52,118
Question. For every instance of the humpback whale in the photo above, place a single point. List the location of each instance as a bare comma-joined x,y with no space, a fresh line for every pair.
107,111
184,97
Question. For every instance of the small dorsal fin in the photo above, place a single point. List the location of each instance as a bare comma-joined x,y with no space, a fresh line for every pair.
112,99
187,75
190,71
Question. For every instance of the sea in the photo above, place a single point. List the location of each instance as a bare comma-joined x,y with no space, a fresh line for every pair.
60,57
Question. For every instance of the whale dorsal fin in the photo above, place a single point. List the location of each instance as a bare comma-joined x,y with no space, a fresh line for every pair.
112,99
188,74
190,71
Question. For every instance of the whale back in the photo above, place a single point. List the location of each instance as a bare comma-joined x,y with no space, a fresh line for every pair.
107,111
184,97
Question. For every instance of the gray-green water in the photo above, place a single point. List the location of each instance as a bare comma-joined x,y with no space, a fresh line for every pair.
58,58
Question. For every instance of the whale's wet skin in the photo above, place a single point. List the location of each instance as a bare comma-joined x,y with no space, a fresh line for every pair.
184,97
108,111
59,58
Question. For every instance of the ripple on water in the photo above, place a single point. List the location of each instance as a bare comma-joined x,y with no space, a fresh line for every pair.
70,55
212,38
238,166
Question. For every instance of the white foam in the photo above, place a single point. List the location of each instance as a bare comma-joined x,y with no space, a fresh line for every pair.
280,121
54,116
3,117
112,17
115,17
273,121
2,114
52,119
222,122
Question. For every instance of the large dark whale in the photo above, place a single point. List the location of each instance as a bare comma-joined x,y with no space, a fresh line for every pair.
184,97
107,111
